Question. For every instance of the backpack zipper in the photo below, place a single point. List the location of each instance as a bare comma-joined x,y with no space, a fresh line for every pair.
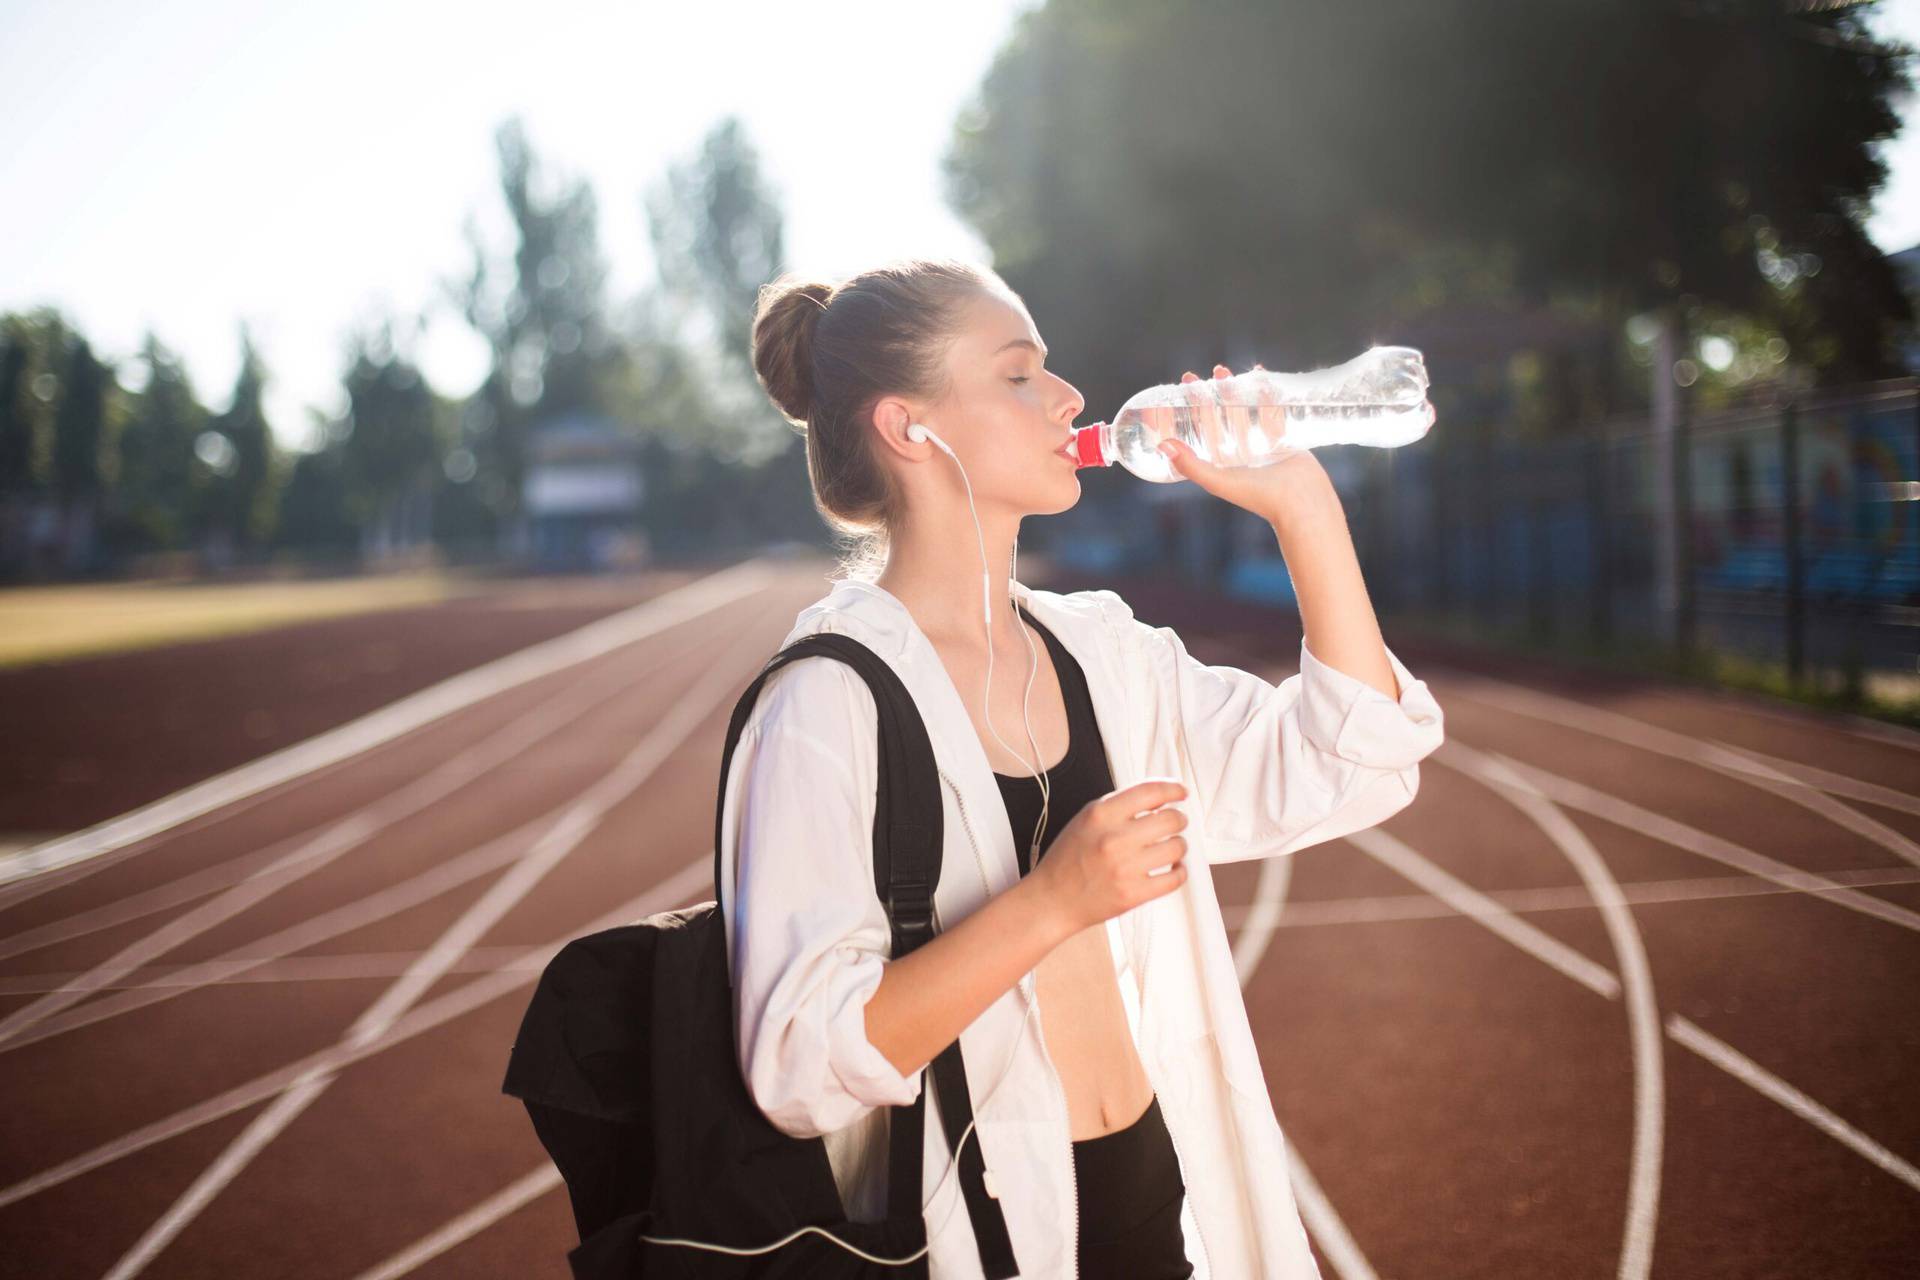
1033,1002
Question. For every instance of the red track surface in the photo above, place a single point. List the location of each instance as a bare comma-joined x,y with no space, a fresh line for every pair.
1474,1096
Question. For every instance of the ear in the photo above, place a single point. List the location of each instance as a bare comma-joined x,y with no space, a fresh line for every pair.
891,418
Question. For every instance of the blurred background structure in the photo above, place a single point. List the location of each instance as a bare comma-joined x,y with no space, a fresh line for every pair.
1648,247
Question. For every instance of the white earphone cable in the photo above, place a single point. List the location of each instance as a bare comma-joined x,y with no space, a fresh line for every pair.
917,431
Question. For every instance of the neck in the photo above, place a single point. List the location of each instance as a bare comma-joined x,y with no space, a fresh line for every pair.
933,567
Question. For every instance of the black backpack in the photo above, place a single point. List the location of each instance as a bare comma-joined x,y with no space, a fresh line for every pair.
626,1062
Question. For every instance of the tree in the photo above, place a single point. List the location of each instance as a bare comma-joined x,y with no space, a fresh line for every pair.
34,365
151,496
718,235
238,468
390,443
1245,180
80,443
552,348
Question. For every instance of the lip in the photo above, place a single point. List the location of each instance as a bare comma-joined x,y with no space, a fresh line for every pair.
1066,451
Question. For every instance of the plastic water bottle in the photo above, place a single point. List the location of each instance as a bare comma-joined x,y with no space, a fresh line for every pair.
1256,418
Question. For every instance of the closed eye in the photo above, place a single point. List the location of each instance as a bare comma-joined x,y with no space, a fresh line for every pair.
1018,380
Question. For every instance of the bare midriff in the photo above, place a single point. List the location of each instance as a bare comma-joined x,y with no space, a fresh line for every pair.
1081,1013
1088,1039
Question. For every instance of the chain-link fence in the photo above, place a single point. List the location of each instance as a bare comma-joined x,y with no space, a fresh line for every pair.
1559,541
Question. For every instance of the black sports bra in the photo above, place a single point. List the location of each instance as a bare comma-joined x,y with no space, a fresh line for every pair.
1076,778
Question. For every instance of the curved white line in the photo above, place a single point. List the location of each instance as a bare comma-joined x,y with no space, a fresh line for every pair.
1382,908
1746,767
1643,1012
1602,804
1484,911
1869,730
1837,783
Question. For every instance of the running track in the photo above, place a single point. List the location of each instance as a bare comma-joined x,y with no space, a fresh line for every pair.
1632,989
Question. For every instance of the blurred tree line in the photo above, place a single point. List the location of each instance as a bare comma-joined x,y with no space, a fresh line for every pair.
1167,186
102,464
1291,183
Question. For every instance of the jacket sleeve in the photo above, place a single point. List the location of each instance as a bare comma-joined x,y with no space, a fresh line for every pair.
1282,768
810,937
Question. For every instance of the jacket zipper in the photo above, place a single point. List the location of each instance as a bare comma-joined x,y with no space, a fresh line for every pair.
1033,1000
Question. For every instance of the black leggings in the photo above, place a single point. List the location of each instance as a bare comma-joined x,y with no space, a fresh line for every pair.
1130,1199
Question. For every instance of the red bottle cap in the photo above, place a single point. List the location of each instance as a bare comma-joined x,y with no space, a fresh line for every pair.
1086,446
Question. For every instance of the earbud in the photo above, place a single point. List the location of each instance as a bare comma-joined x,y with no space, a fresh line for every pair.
917,432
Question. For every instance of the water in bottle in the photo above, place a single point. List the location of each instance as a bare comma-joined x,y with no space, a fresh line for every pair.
1256,418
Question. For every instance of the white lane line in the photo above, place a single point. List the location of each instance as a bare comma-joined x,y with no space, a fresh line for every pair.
338,838
1837,783
291,867
44,882
1747,768
1863,727
389,722
1262,917
1387,908
1601,804
668,895
390,901
345,966
1321,913
1343,1251
516,1195
499,747
1643,1011
1479,907
135,906
1745,1069
683,718
1483,911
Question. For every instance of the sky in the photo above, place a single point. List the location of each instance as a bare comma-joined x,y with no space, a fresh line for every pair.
302,167
308,168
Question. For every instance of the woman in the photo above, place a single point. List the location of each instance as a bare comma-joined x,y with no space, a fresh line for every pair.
1130,1133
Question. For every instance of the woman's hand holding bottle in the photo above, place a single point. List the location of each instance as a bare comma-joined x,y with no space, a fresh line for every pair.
1097,867
1265,491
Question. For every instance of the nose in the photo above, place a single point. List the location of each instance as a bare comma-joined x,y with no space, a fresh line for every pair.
1074,404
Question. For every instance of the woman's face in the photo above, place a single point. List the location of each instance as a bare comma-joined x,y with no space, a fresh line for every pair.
1005,415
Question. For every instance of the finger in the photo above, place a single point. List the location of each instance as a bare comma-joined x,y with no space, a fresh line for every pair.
1150,794
1163,822
1189,376
1221,371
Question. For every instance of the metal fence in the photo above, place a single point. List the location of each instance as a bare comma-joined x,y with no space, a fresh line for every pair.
1558,540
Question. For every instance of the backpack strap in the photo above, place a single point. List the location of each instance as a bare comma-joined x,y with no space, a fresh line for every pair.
908,831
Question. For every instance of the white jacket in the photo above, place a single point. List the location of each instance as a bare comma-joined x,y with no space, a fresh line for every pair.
1269,770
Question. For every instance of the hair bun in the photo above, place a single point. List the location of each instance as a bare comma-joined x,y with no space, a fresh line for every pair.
783,326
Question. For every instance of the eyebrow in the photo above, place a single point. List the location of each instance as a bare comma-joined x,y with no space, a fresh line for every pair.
1023,342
